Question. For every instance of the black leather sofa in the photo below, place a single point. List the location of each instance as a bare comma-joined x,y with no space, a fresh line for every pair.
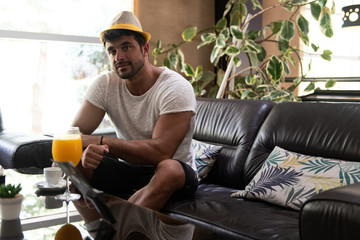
248,131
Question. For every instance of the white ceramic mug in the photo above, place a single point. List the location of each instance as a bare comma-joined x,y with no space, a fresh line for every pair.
53,175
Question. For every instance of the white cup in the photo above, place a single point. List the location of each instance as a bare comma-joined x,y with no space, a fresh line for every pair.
53,175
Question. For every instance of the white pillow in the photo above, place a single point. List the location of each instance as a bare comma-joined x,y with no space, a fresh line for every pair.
289,179
205,155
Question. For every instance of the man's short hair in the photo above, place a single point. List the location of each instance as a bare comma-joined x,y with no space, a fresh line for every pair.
113,35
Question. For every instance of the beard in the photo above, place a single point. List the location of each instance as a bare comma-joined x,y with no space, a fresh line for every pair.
130,69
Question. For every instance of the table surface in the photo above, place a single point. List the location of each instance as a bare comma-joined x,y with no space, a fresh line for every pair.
34,215
38,211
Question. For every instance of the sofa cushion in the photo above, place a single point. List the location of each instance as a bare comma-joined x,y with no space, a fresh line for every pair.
289,179
213,209
205,155
317,129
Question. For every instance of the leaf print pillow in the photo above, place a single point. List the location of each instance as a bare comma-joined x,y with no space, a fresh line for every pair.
289,179
205,155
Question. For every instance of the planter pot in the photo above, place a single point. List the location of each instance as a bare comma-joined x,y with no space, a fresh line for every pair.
10,207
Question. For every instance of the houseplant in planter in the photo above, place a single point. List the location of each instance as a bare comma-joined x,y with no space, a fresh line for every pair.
262,78
10,201
10,207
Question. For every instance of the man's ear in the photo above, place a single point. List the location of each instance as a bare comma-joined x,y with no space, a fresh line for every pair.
146,48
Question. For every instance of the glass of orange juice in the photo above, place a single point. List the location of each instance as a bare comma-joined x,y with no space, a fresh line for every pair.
67,147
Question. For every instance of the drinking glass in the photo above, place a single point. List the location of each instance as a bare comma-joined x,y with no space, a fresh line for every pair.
67,147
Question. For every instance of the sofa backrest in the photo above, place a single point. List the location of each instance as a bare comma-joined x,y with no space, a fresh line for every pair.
329,130
232,124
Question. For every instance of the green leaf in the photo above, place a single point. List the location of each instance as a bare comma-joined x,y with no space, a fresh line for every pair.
245,93
158,44
250,79
303,24
220,41
283,45
252,46
333,8
243,11
291,88
330,83
188,70
154,53
166,63
276,27
173,59
275,68
326,55
252,34
181,59
292,60
198,72
287,30
325,22
189,34
256,4
207,38
310,87
237,61
322,3
297,81
261,55
276,95
315,10
232,50
286,68
9,191
237,32
304,38
254,61
235,18
221,24
227,7
226,33
206,78
215,53
314,47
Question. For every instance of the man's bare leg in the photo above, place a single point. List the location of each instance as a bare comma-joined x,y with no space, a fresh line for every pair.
168,178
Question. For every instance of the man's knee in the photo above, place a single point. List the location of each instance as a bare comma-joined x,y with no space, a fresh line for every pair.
171,173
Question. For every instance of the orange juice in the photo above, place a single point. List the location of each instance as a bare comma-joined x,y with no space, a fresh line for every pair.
67,148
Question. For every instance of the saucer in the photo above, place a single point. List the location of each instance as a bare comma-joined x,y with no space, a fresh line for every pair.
43,185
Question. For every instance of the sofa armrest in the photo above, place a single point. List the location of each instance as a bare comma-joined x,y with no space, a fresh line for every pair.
332,214
26,152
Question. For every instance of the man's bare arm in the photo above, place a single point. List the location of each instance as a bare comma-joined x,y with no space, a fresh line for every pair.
170,130
88,118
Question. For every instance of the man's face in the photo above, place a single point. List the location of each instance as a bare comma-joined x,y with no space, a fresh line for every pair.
126,56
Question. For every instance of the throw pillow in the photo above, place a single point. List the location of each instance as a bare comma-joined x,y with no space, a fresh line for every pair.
205,155
289,179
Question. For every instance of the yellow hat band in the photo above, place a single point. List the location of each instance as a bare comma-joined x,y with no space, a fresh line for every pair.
130,27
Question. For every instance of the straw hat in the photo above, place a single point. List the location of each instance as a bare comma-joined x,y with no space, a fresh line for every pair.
127,20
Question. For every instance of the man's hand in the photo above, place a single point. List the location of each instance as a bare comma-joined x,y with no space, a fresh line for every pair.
93,155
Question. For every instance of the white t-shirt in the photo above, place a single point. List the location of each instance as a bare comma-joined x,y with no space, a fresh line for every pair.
134,117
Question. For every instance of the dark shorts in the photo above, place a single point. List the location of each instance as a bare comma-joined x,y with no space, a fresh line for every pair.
122,179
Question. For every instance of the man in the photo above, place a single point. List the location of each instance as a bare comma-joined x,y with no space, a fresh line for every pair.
153,111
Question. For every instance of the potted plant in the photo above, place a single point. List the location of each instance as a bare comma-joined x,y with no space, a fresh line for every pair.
230,37
10,201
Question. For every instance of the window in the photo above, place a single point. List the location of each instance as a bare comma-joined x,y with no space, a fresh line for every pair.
50,51
345,64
